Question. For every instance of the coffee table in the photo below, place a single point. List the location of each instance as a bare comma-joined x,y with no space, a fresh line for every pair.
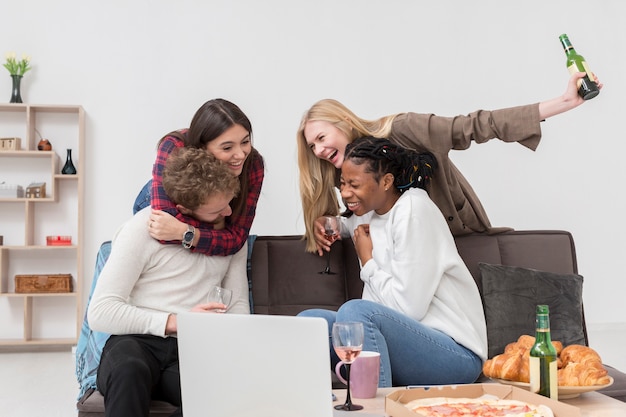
591,404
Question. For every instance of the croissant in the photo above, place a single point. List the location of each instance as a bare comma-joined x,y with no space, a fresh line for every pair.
580,354
503,366
525,342
579,374
578,365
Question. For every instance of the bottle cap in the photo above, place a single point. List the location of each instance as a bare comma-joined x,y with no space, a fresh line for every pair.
542,309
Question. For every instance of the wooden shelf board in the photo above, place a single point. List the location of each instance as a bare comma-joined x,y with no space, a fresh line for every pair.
38,342
38,294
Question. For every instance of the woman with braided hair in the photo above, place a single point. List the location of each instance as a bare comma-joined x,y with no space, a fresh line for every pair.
420,305
328,126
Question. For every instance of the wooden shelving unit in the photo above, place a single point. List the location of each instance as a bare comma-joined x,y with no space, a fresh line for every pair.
41,318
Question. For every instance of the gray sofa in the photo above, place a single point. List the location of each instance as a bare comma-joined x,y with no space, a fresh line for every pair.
284,280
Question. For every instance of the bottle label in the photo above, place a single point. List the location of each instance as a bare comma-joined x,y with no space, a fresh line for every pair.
544,377
580,66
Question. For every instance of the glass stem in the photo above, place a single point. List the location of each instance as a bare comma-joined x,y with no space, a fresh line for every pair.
328,262
348,403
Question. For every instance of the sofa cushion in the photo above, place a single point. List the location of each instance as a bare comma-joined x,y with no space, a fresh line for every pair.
511,294
286,279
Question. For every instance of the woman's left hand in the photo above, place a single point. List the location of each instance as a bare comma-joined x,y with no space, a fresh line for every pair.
363,243
164,226
571,93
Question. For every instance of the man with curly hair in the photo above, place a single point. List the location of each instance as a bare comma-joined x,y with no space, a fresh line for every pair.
144,284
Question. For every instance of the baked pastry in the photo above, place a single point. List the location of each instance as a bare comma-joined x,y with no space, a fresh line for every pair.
580,354
581,375
582,366
504,366
578,365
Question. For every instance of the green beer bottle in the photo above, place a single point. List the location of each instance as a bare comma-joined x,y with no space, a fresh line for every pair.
543,368
587,88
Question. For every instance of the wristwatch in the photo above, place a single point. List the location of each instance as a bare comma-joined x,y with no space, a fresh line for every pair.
188,237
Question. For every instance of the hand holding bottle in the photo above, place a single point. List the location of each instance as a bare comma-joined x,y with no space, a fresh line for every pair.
587,84
568,100
572,91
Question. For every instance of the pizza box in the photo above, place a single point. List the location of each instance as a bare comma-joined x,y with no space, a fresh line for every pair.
395,401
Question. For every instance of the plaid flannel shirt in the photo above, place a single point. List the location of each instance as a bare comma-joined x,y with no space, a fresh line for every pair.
223,242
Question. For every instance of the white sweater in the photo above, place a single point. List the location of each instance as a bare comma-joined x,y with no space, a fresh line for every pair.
416,270
144,281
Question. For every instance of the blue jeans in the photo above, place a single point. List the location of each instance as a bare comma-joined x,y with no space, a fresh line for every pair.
410,352
143,198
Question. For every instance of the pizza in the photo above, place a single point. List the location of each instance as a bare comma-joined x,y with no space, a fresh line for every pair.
476,407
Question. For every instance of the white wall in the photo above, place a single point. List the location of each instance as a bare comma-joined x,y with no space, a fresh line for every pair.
141,68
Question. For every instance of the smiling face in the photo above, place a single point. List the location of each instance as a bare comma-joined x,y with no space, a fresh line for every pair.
326,141
361,192
232,147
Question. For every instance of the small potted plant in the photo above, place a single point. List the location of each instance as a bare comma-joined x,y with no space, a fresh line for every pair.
17,69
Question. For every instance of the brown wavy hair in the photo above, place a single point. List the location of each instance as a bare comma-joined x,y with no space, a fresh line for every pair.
192,175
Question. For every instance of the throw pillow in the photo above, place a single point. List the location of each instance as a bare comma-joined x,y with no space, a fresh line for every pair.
511,294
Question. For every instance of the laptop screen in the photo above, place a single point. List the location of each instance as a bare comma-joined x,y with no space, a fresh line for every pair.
235,365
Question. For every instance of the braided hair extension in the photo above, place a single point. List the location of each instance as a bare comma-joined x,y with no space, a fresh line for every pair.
409,168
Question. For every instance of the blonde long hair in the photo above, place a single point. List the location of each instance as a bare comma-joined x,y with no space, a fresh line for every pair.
318,177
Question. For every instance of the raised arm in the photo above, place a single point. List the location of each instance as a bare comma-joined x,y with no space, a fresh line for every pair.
521,124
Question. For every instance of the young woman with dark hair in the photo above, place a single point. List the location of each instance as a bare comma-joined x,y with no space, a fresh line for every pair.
222,129
420,306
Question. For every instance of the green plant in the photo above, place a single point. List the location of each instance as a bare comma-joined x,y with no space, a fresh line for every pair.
17,67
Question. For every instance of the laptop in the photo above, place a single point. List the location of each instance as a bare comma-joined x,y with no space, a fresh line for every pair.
236,365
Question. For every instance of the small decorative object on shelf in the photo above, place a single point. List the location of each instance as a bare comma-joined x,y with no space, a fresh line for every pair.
10,144
58,240
11,190
43,283
36,190
44,145
17,69
69,168
16,89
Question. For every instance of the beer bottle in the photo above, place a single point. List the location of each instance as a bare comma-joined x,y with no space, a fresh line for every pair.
587,87
543,368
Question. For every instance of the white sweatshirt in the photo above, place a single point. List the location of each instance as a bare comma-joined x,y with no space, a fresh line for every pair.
416,270
143,281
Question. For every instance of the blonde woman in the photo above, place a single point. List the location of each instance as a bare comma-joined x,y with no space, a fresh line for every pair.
328,126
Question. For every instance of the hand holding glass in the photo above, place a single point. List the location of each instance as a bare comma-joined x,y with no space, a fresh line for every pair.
331,232
222,295
348,343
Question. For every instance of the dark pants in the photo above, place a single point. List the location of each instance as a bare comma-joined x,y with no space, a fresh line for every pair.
135,369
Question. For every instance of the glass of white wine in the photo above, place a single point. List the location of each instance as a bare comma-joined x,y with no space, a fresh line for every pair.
331,232
348,343
221,295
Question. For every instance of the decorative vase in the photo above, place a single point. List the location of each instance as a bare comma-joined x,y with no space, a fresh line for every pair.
68,168
16,96
44,145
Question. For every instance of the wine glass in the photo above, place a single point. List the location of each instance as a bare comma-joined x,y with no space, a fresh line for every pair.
222,295
348,343
331,230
